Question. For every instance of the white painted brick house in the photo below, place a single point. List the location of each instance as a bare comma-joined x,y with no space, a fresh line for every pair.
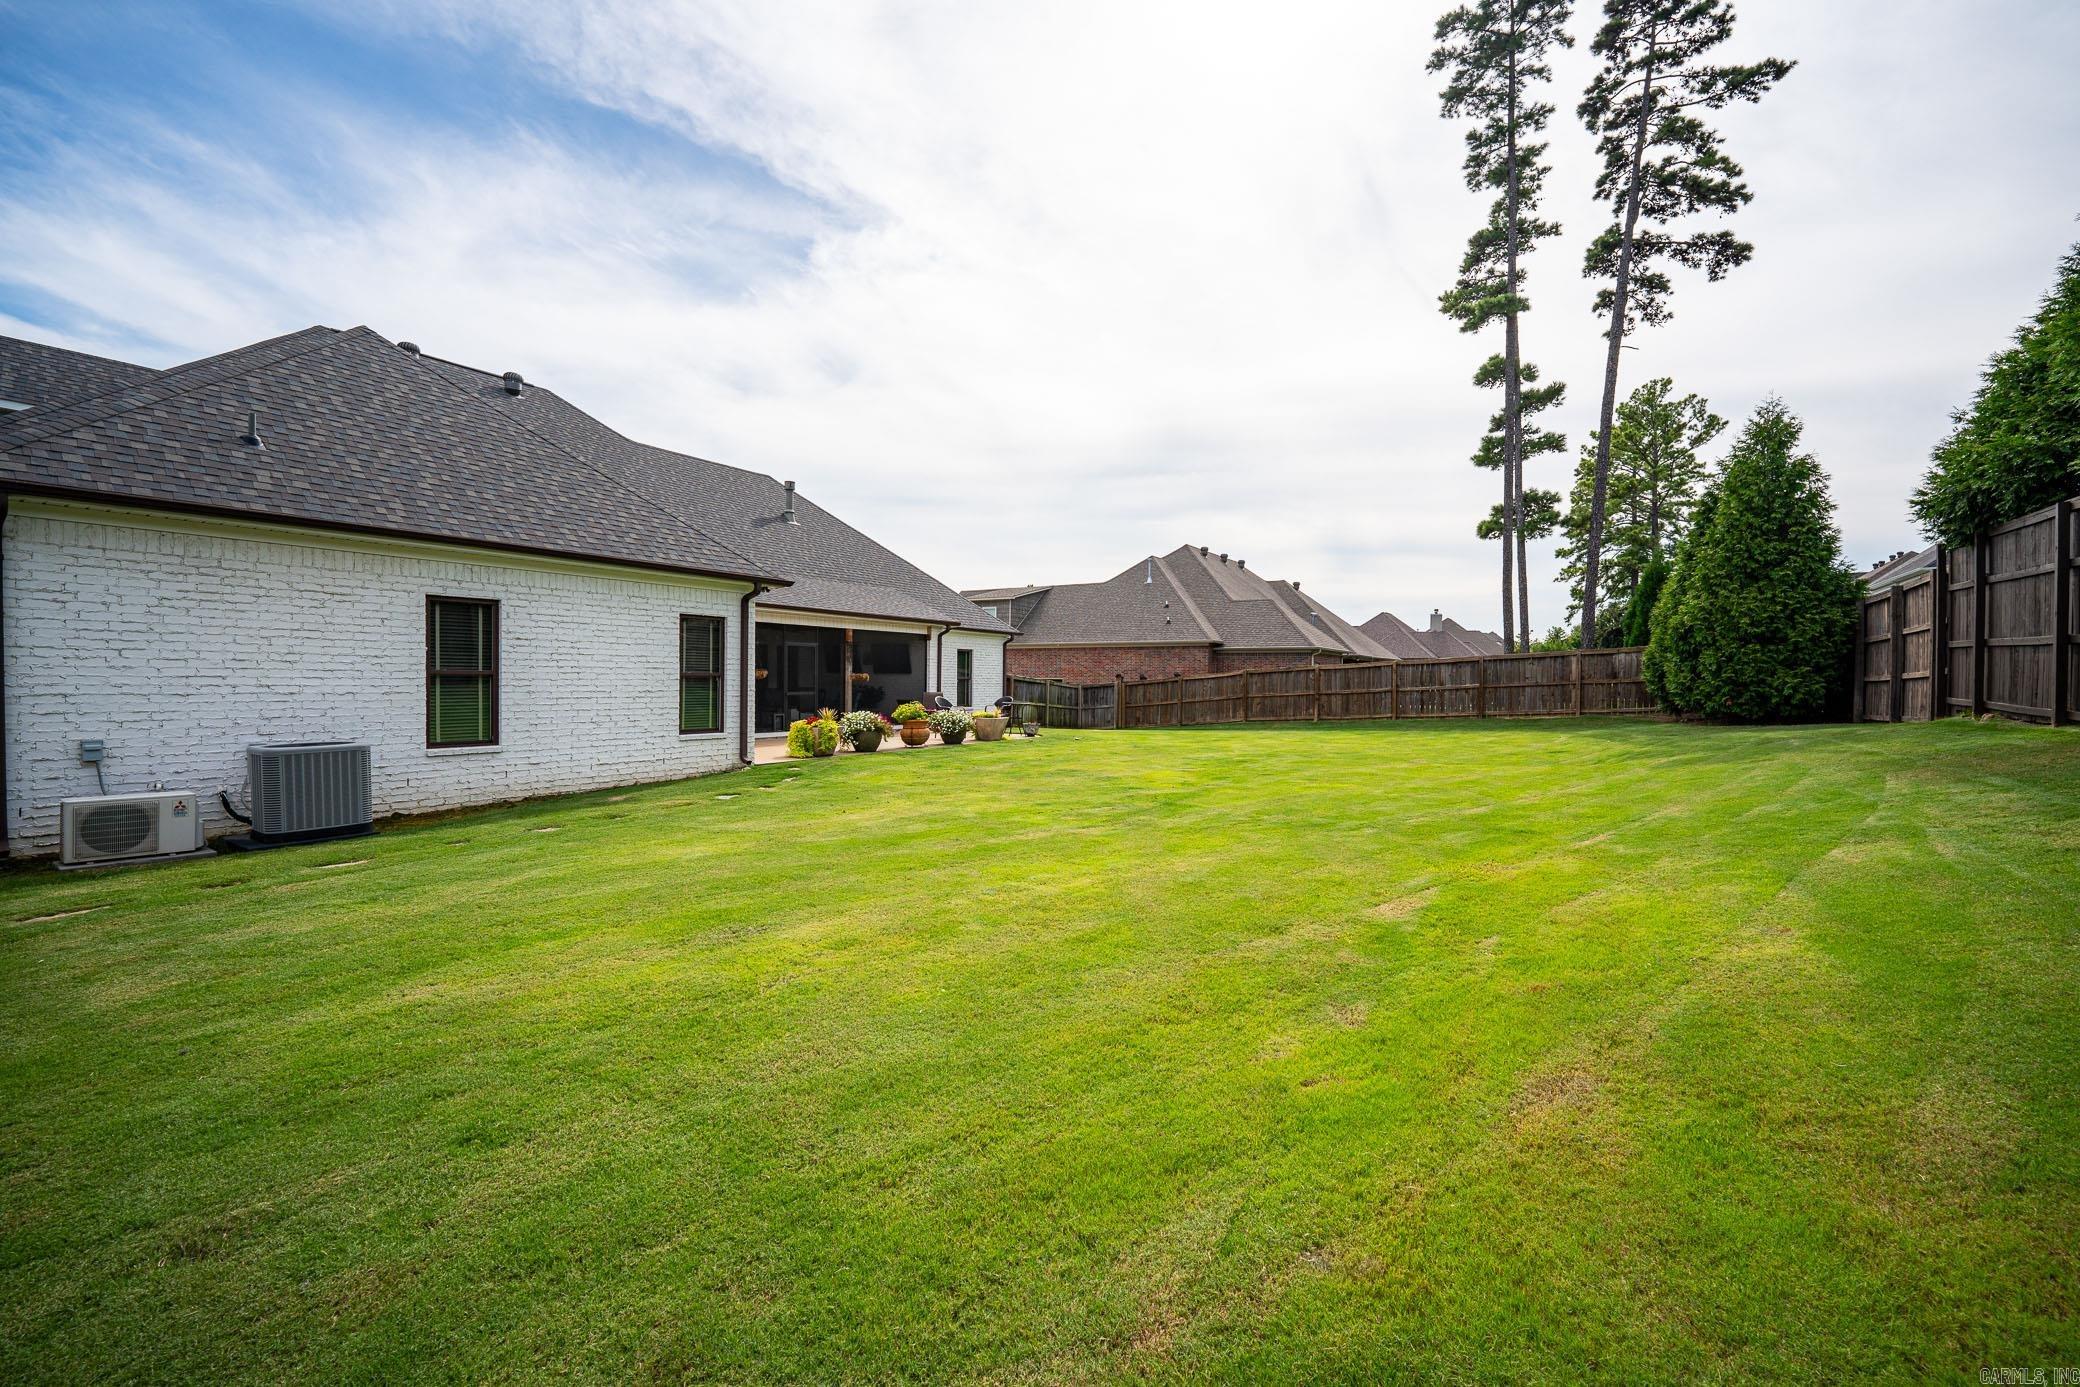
181,578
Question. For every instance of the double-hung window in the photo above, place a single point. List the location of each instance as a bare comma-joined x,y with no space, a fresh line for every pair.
700,674
461,672
964,677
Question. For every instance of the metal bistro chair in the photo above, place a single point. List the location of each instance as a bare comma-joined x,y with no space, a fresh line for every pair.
935,702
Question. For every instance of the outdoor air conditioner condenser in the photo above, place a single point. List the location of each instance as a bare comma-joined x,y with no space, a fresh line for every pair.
304,791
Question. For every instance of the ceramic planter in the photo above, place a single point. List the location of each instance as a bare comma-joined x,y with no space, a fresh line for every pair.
916,732
988,729
867,741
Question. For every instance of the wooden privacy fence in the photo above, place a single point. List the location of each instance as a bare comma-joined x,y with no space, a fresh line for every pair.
1058,703
1990,628
1562,684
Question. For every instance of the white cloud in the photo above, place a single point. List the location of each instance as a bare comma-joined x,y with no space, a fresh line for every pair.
1087,281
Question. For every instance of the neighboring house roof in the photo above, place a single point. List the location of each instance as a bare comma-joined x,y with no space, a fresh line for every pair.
35,373
359,435
831,566
1442,639
1905,564
1396,637
1188,596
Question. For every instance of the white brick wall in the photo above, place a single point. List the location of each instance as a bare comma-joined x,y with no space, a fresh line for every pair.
989,667
177,642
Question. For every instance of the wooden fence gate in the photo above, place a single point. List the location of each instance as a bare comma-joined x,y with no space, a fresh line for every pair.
1058,703
1989,629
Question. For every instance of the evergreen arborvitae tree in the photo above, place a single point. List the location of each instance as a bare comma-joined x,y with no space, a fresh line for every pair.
1639,611
2017,449
1759,613
1651,484
1661,163
1494,52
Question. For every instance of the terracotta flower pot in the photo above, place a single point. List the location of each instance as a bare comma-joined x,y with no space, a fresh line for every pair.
916,732
988,729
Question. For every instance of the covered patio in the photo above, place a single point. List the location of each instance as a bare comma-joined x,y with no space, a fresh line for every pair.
805,665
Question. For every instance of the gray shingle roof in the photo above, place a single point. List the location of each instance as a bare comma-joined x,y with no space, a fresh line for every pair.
35,373
1904,564
832,567
1186,596
358,435
1396,637
1408,642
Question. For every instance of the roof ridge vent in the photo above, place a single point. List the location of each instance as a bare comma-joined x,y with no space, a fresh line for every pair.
513,384
408,348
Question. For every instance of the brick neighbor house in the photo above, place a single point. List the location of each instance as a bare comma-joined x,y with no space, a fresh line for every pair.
330,536
1191,611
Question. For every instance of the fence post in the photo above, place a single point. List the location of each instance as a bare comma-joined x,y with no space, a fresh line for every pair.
1119,702
1982,551
1480,686
1579,656
1897,618
1248,687
1863,619
2062,615
1939,639
1394,689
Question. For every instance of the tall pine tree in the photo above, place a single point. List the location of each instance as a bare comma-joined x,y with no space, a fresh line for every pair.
1652,482
1494,52
1660,163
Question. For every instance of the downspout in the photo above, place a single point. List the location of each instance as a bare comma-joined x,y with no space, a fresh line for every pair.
747,702
939,663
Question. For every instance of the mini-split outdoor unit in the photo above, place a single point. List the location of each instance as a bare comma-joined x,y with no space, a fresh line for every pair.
129,828
304,791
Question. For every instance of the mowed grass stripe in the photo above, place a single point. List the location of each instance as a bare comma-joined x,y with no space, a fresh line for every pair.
1477,1050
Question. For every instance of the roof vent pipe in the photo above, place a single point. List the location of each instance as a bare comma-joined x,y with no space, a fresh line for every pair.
408,348
1149,574
514,385
251,437
788,514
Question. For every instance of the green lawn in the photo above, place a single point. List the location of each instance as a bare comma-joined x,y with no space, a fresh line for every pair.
1468,1050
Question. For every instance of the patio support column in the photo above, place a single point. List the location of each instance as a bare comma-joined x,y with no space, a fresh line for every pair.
845,693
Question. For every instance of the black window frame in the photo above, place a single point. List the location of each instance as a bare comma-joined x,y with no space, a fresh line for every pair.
964,677
720,626
435,671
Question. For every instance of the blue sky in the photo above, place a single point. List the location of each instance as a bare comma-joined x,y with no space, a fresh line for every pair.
1170,267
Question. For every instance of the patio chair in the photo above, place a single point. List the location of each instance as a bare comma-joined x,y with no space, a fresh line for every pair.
935,702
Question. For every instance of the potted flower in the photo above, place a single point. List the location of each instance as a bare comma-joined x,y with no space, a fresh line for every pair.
817,736
952,726
910,717
863,731
988,725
